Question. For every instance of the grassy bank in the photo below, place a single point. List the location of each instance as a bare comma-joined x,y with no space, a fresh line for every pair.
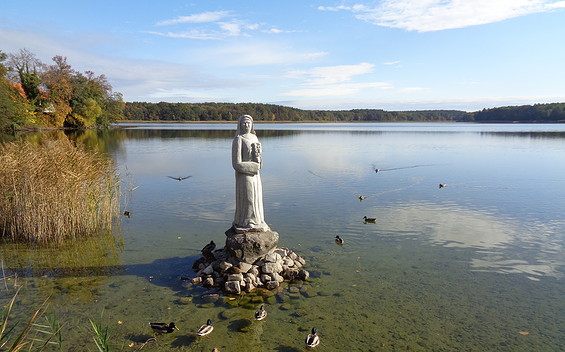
55,191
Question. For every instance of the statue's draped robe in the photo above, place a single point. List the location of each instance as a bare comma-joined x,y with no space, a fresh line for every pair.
248,189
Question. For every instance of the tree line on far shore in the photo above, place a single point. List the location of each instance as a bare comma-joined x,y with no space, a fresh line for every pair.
181,112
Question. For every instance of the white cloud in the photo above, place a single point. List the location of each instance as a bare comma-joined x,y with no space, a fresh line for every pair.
212,26
332,74
327,81
278,31
435,15
336,90
235,28
255,54
204,17
412,89
192,34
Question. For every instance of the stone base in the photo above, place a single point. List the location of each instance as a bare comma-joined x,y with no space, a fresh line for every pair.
248,246
233,276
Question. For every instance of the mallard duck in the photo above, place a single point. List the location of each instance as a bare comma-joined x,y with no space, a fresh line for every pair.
369,219
441,185
339,240
127,213
209,247
205,329
260,313
179,178
163,328
312,340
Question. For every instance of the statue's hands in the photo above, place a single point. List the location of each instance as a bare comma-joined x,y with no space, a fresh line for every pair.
249,168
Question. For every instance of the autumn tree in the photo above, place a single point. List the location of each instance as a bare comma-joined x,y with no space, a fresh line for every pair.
57,80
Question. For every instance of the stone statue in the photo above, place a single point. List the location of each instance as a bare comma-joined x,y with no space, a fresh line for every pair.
247,161
250,258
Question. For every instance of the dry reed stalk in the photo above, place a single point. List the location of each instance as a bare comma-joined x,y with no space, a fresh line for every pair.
55,191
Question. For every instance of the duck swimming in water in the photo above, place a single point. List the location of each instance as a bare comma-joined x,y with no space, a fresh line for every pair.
260,313
339,240
163,328
366,219
205,329
312,340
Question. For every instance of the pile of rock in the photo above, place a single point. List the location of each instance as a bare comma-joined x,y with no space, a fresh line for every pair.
234,276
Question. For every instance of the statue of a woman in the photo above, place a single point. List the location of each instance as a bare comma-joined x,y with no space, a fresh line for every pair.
246,161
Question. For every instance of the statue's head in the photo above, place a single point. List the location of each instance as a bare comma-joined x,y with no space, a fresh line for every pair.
245,120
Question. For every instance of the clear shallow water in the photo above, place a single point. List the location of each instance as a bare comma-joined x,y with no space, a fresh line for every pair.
473,266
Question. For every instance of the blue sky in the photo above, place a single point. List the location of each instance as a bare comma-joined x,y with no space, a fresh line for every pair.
387,54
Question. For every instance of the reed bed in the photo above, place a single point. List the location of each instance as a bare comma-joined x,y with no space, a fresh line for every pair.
55,191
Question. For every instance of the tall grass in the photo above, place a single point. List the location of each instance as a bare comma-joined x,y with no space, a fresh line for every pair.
55,191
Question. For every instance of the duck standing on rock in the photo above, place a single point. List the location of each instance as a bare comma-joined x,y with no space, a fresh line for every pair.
260,313
312,340
205,329
209,247
163,328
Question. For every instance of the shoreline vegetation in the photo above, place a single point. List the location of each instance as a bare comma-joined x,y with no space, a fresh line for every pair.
229,112
55,191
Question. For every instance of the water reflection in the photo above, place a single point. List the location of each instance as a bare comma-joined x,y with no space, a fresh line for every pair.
439,267
502,245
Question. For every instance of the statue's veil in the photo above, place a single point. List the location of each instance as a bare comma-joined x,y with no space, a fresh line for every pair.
241,118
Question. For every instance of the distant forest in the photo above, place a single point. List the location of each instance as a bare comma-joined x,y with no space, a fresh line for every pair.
141,111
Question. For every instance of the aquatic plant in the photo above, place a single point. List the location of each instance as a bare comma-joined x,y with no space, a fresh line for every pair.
13,339
55,191
101,337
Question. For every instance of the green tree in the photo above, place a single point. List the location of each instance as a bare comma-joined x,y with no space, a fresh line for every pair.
15,111
25,69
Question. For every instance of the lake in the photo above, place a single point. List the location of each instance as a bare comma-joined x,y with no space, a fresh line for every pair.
477,265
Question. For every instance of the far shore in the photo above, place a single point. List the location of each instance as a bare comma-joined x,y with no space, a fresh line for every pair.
259,121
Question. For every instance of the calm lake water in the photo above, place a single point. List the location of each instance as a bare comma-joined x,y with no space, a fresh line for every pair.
475,266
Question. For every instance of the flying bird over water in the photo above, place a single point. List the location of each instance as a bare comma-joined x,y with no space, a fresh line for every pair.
179,178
